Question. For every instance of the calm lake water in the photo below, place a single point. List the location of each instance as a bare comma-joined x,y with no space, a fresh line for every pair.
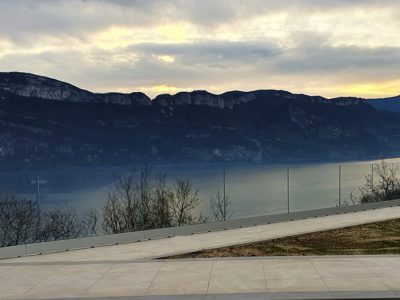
253,189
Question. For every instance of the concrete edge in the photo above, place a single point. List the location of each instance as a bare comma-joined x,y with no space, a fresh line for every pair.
269,257
150,260
395,294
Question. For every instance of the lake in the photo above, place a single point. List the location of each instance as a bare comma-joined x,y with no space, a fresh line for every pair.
253,189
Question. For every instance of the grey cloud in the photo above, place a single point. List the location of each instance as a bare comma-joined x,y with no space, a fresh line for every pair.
223,53
200,65
24,20
313,54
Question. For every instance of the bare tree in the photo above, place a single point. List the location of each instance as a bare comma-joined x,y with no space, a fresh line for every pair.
351,199
91,220
383,185
18,220
160,209
138,201
184,201
146,188
128,203
114,219
21,222
61,223
127,192
220,207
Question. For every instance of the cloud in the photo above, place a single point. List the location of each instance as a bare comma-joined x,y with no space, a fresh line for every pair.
315,54
216,53
324,47
19,19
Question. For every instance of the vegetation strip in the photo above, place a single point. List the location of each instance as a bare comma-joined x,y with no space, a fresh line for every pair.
374,238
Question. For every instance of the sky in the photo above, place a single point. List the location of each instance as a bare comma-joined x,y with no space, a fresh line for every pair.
330,48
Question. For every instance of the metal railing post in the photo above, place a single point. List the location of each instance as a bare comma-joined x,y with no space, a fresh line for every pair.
340,185
39,219
224,195
142,199
288,190
37,189
372,176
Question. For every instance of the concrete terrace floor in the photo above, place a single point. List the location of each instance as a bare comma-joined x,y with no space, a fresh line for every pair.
130,270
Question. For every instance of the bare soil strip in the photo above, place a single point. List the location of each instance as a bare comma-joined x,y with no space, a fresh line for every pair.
374,238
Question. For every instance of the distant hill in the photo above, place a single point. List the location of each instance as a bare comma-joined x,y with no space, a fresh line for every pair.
45,123
388,104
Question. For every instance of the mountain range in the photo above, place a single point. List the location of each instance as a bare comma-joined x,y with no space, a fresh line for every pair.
46,123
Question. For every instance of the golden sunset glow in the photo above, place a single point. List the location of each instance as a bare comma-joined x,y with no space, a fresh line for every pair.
34,50
166,58
114,37
370,89
161,89
176,32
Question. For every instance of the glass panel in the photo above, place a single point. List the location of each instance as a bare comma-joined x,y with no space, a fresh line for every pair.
256,190
252,189
206,179
314,186
353,179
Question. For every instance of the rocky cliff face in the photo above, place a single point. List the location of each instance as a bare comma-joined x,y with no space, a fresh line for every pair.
29,85
193,98
34,86
132,99
235,98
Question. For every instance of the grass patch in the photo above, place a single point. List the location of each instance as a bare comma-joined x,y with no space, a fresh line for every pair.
373,238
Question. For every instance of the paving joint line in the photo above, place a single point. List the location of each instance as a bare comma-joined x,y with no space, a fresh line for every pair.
47,277
320,275
158,272
209,277
97,279
265,275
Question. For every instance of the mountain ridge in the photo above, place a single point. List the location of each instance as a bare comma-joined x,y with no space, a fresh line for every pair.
387,104
188,127
31,85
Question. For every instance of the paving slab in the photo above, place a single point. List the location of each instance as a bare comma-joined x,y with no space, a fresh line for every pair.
267,276
129,270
